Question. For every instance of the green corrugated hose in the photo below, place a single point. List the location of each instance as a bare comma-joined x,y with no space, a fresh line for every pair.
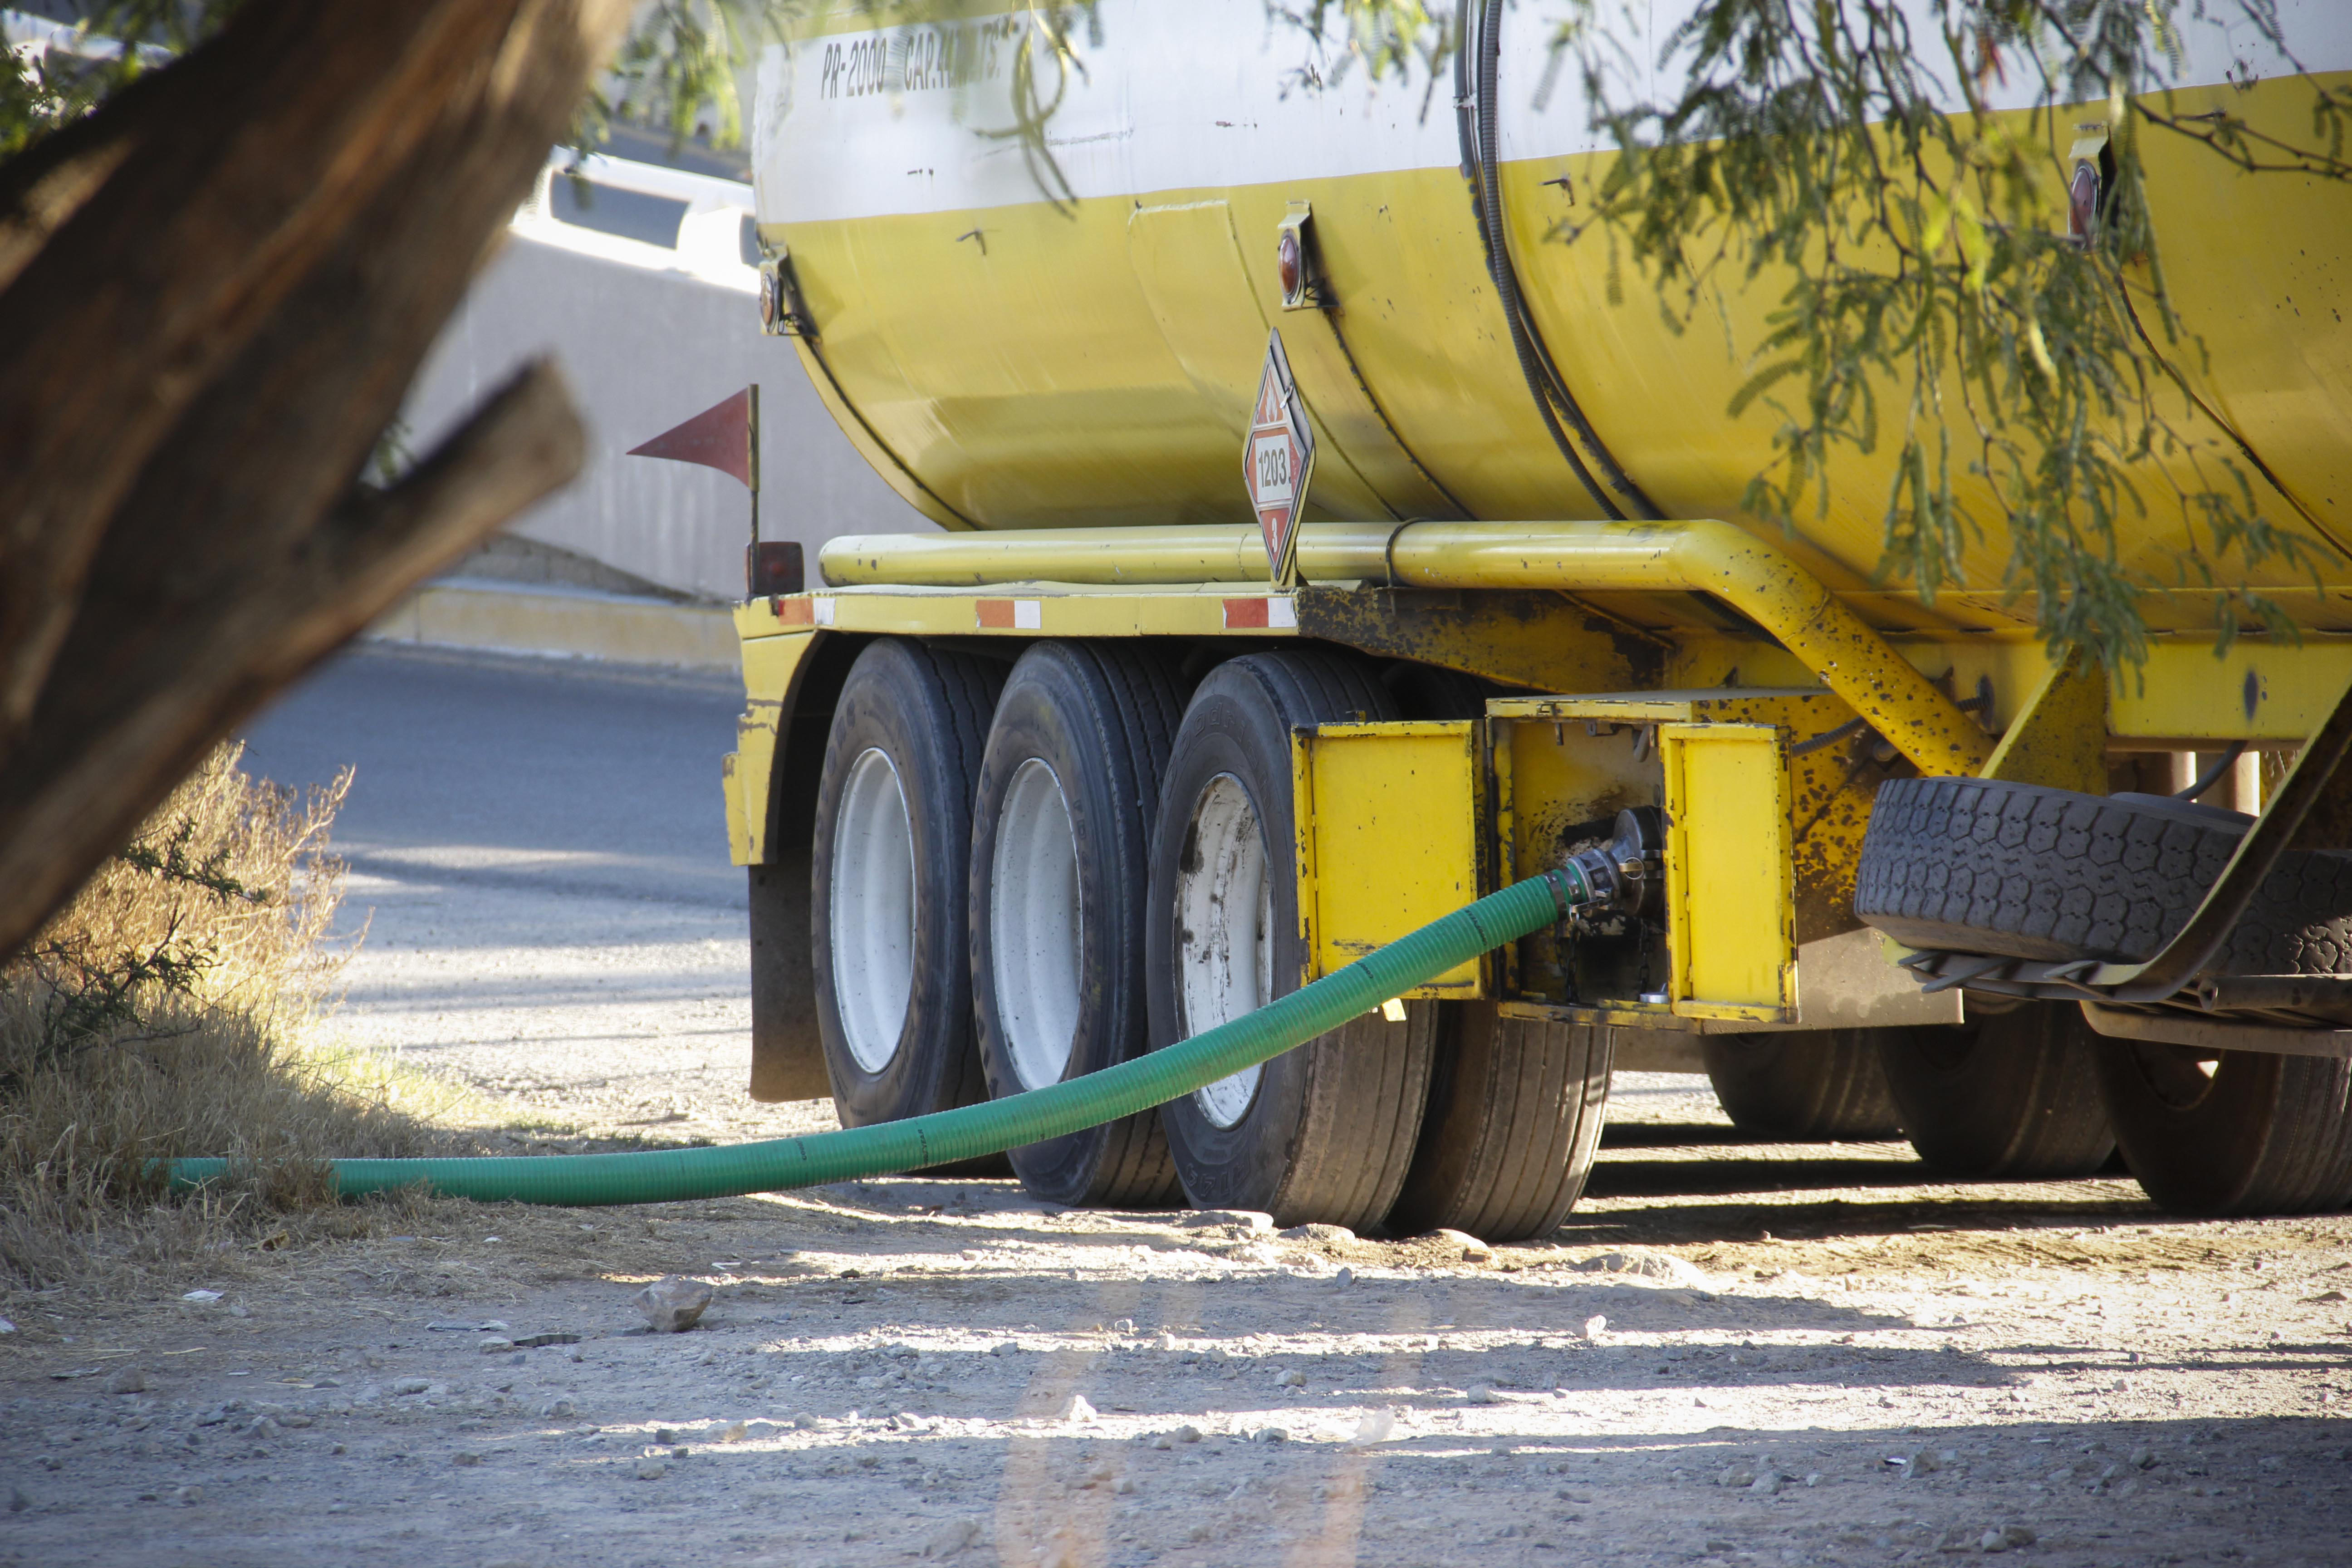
671,1174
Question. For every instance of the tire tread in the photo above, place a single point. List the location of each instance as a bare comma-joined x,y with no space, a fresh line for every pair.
1509,1143
1986,866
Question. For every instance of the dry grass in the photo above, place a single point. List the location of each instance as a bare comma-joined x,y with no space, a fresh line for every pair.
172,1009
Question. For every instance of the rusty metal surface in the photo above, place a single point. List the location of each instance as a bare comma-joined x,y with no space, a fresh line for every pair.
1532,639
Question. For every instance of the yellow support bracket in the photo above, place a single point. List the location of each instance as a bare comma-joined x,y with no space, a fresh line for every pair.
1730,885
2059,739
1389,823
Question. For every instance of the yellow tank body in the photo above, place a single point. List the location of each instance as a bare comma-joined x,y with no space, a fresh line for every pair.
1011,361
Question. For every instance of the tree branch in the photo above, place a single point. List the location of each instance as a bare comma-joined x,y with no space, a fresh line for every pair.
165,272
56,828
235,550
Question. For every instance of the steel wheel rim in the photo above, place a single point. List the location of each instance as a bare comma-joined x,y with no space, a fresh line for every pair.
2181,1078
873,911
1035,924
1224,964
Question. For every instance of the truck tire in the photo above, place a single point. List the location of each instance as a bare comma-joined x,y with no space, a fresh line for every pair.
893,844
1809,1086
2233,1132
1979,866
2013,1095
1060,867
1515,1112
1323,1133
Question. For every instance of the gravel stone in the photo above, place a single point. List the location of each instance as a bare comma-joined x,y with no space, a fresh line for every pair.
1473,1250
952,1537
674,1303
1247,1219
1643,1263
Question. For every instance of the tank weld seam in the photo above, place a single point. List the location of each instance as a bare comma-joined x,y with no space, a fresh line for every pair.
1363,385
816,355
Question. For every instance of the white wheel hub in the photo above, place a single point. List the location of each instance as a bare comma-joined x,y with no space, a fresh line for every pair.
873,911
1224,914
1033,924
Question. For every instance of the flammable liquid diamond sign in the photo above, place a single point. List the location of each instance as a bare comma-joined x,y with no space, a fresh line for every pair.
1277,462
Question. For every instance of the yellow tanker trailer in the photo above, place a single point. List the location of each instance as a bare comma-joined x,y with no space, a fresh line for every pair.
1092,770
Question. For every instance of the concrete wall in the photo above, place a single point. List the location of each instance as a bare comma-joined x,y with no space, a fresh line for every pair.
644,343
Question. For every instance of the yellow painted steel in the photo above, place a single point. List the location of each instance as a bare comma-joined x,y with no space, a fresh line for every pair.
2261,689
1029,610
1579,760
1093,365
1388,830
1701,556
772,666
1731,891
740,851
1123,557
2060,739
868,443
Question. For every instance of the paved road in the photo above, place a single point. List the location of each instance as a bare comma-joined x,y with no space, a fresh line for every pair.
558,776
539,866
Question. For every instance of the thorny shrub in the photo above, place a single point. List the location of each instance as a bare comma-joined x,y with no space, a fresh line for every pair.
169,1010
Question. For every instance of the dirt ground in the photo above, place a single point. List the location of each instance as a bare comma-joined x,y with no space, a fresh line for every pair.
1731,1353
1829,1359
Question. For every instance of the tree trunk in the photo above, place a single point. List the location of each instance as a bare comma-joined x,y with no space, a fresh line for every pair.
221,287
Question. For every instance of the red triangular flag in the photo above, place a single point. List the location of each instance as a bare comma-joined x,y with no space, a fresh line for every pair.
717,437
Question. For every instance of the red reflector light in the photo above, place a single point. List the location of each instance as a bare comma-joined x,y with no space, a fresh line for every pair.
2082,203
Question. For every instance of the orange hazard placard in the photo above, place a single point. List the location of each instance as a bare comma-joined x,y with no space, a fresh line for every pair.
1277,462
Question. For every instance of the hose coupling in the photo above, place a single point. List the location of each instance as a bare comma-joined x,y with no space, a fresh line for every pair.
1620,878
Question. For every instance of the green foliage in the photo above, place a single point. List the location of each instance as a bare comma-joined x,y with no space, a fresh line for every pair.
1930,304
1382,36
171,862
680,67
44,85
91,990
2029,387
677,71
